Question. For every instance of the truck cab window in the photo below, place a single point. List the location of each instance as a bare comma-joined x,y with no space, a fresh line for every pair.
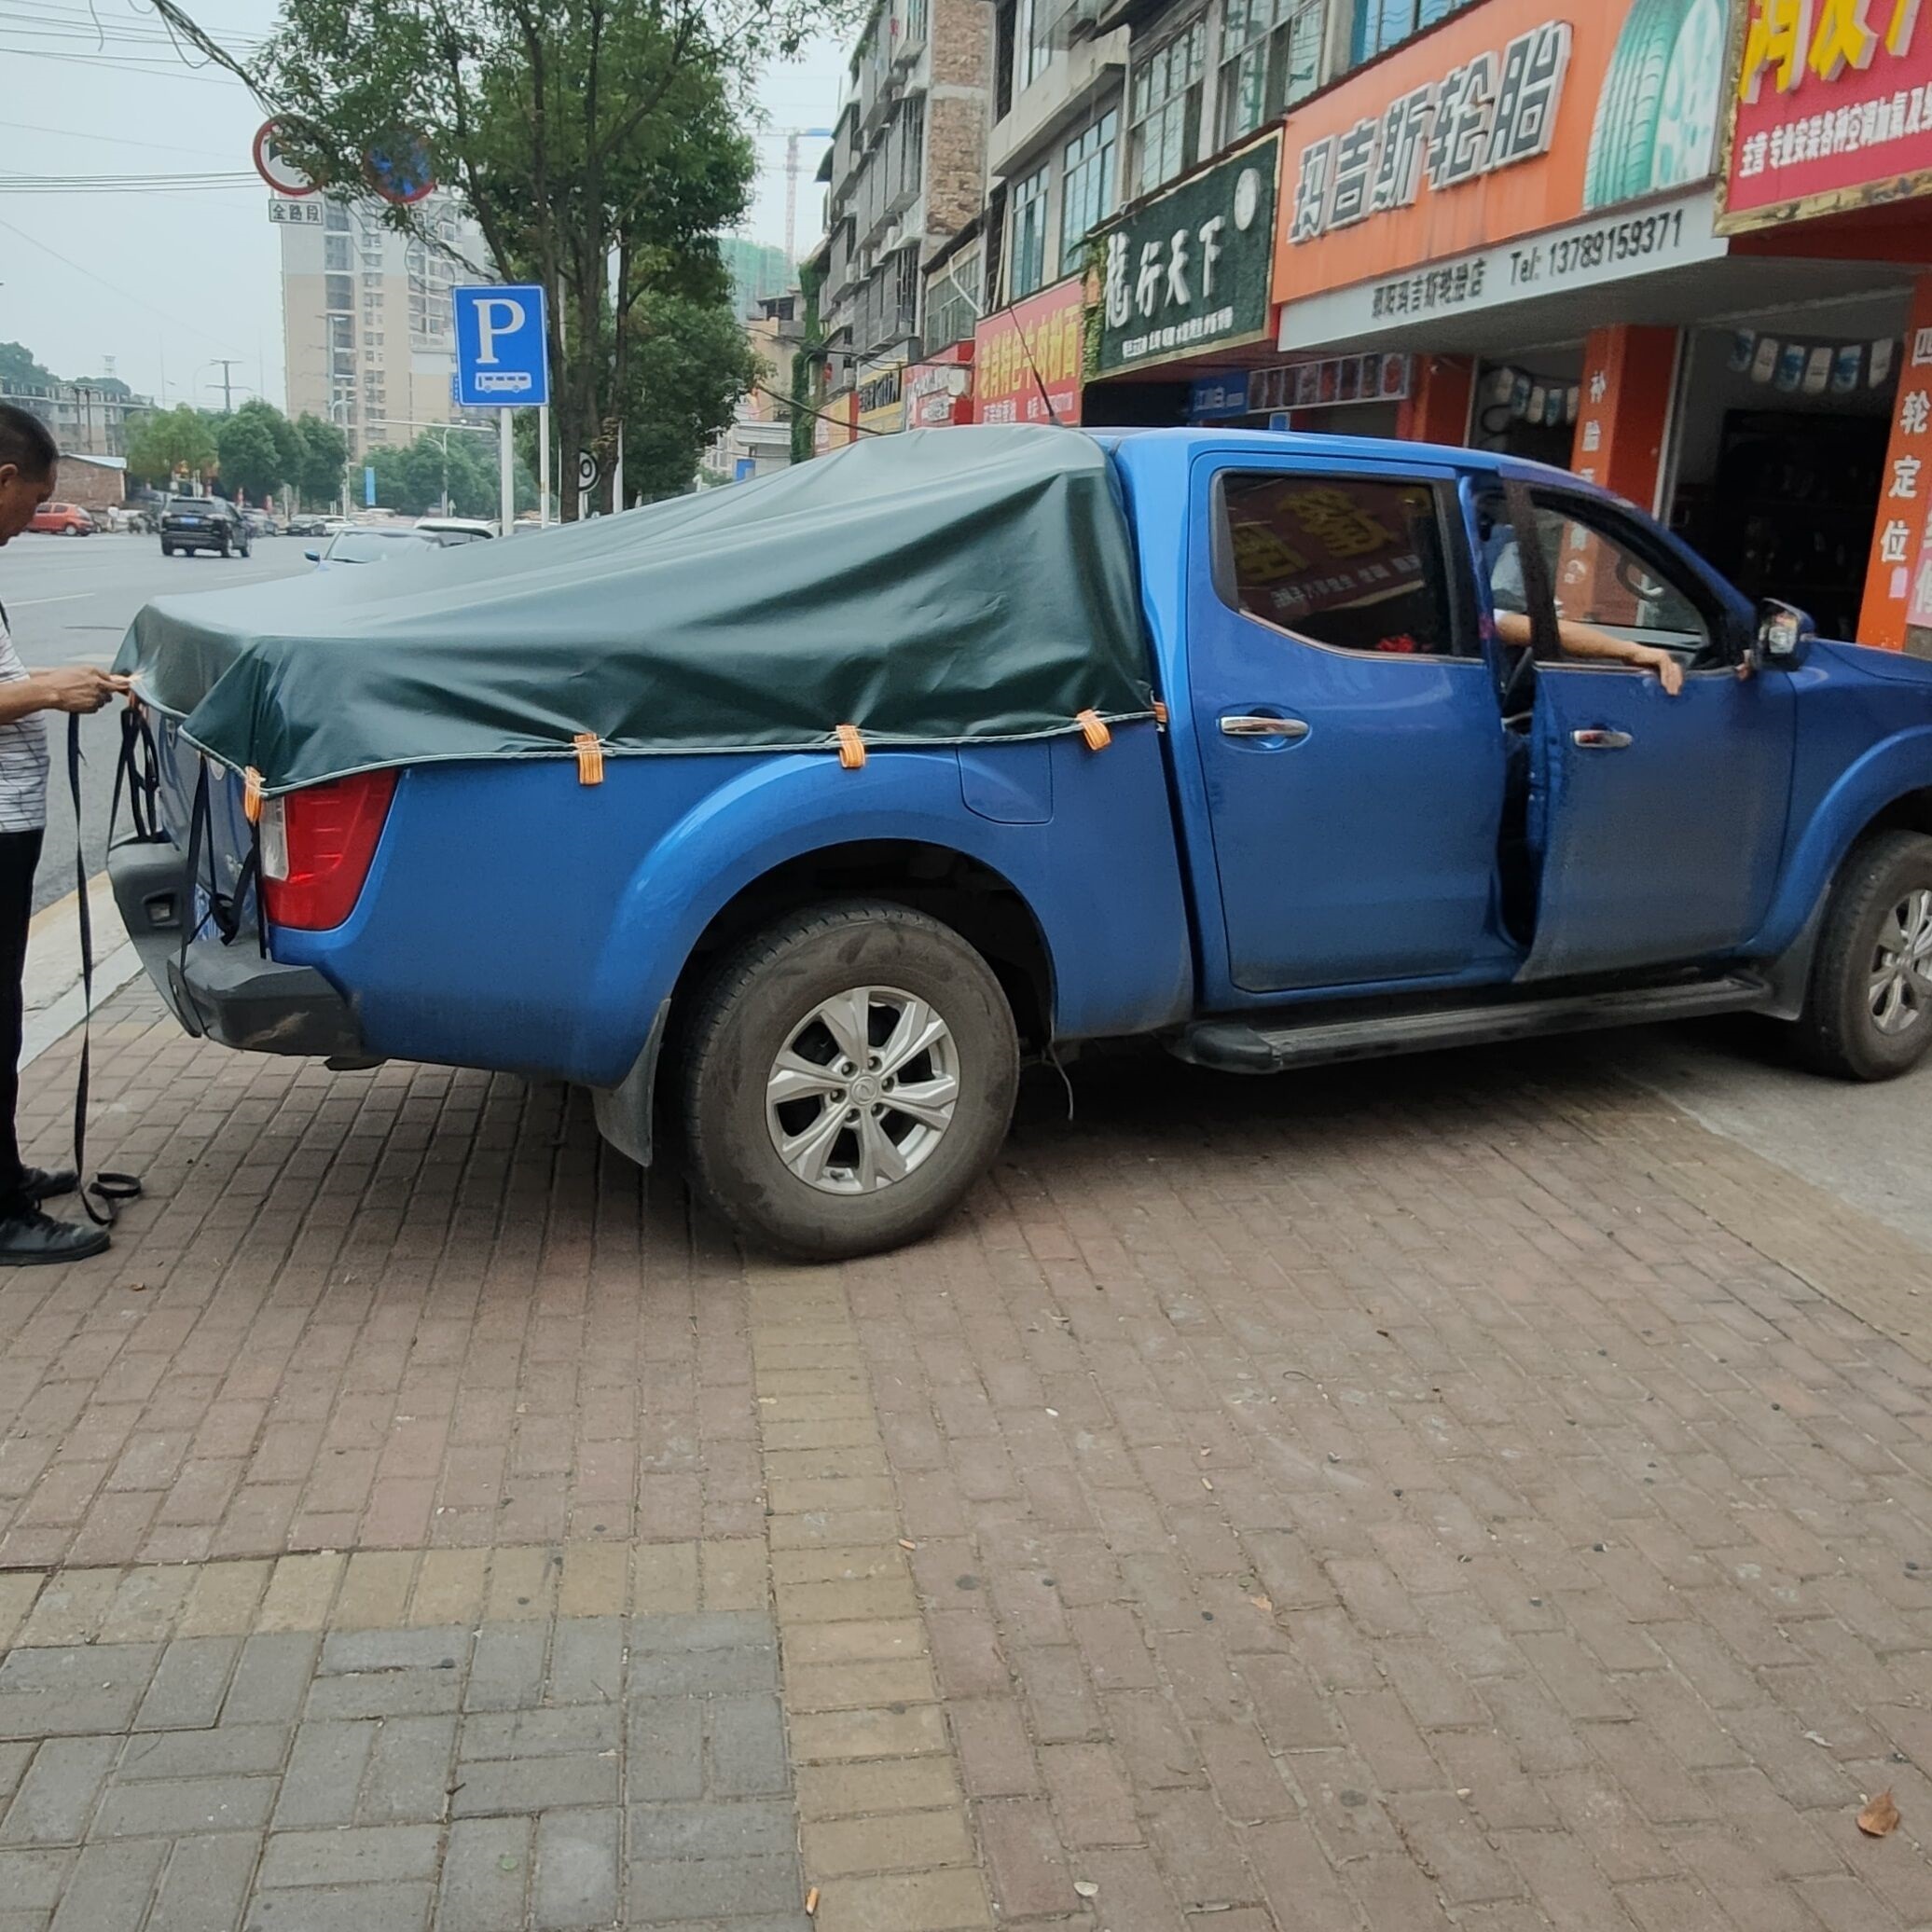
1598,580
1355,564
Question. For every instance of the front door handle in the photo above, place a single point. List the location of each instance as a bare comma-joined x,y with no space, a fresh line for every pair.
1263,727
1596,737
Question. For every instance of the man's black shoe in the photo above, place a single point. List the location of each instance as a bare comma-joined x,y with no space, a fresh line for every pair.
44,1184
33,1239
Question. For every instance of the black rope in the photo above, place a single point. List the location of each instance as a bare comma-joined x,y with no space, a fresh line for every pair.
110,1190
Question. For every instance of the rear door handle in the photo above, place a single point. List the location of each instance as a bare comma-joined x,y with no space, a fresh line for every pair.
1595,738
1263,727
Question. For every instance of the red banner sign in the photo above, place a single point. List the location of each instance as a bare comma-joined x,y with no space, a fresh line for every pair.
1029,357
1833,109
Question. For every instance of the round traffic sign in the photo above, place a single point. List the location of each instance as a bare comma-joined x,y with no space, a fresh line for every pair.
589,469
401,172
281,174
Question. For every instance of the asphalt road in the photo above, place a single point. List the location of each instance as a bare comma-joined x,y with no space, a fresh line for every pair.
70,600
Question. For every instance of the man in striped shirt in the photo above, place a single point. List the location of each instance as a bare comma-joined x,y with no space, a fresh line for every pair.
28,458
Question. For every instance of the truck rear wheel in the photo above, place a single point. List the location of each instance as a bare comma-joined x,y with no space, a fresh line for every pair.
1868,1012
848,1077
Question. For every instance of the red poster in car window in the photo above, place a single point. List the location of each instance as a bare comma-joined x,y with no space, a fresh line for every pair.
1305,547
1833,109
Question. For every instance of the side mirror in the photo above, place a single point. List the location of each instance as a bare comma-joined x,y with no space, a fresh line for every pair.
1785,635
314,556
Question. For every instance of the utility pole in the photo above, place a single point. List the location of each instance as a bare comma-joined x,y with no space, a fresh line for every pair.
226,362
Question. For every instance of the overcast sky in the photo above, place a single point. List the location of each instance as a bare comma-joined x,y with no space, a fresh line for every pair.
166,279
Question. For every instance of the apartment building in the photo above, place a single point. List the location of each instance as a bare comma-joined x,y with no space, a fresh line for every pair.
367,331
906,171
95,418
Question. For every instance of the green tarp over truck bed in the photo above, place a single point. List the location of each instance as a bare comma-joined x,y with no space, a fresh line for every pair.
938,587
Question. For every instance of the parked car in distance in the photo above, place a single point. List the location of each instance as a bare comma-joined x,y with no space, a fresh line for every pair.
192,523
368,542
455,530
261,523
63,519
314,523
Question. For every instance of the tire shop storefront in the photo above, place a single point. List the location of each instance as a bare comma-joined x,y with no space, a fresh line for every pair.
1805,464
1527,203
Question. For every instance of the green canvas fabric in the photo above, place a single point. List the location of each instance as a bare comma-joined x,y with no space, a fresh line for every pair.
938,587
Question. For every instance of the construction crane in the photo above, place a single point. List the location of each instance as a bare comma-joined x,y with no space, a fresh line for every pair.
793,137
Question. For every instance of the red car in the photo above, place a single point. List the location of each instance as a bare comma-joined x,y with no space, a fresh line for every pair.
64,519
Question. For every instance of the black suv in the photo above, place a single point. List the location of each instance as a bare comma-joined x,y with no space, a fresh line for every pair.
202,523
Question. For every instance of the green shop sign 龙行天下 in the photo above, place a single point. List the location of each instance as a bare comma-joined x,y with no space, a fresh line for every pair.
1189,270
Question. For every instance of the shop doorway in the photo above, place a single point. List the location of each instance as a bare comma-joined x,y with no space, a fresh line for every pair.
1781,451
1527,407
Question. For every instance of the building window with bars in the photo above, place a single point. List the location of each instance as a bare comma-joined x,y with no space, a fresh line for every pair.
1381,24
1165,112
1027,268
1086,186
1269,59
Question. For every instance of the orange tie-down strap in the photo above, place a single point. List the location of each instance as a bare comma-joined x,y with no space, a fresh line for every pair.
1093,730
851,747
589,758
252,795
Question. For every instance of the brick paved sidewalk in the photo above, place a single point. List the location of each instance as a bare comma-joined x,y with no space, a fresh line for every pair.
1458,1492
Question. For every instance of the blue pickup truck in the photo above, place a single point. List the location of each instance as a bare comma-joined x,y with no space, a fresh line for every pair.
1396,747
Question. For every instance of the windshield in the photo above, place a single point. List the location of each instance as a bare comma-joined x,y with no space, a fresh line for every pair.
371,545
190,505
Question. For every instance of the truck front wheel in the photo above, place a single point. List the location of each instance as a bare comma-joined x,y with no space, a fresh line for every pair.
848,1075
1868,1012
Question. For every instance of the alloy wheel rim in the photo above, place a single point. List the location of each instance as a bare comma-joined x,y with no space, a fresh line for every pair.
862,1091
1899,985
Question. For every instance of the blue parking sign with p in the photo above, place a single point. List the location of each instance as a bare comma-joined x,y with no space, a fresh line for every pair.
501,361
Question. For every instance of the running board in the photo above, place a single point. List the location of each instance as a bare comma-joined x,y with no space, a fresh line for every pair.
1241,1046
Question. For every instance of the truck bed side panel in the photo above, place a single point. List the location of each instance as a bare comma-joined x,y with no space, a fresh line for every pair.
516,919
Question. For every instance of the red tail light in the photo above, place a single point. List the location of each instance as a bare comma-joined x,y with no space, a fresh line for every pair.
316,846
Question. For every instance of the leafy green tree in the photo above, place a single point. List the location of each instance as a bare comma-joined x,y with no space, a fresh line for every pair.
324,455
410,479
599,144
811,279
691,363
18,364
169,440
289,451
251,466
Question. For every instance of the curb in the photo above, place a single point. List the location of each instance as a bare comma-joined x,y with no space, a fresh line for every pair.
50,981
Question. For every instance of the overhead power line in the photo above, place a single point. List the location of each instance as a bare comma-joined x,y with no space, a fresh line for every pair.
206,153
194,328
116,64
125,183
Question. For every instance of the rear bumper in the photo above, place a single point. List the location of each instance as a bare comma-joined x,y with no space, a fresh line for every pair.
229,994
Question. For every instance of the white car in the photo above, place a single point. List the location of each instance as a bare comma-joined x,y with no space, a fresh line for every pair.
455,530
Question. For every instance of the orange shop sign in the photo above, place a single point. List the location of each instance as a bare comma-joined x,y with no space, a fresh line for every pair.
1513,117
1030,348
1833,109
1899,583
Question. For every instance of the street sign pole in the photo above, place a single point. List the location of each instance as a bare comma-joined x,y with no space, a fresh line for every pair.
544,467
506,470
502,363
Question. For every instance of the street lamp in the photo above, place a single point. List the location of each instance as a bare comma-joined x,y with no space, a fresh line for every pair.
344,402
